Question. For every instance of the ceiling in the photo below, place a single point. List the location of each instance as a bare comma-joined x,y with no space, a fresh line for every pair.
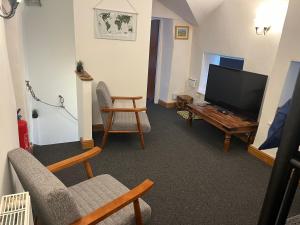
192,11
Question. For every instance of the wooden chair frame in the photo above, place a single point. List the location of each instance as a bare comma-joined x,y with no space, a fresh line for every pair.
111,111
112,207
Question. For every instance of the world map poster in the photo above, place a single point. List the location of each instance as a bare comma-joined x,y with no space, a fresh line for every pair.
115,25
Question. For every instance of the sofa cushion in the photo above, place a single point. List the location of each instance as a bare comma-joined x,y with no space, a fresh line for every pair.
98,191
52,201
127,121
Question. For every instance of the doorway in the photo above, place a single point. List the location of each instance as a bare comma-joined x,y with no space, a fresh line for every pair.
153,52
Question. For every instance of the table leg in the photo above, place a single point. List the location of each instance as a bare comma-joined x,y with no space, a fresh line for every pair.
251,138
190,120
227,142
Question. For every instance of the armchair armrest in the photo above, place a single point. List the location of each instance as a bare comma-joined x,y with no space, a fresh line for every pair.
112,207
126,98
82,158
124,109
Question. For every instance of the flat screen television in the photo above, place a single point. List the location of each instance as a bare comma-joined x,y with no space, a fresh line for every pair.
238,91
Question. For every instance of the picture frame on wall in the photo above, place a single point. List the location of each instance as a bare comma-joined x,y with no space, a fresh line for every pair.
115,25
182,32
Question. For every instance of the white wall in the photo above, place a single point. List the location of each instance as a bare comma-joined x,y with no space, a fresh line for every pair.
289,50
8,129
14,34
50,58
230,30
208,59
181,62
290,82
123,65
181,8
164,61
174,55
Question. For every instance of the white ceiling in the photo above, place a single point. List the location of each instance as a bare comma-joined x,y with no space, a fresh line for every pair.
192,11
181,8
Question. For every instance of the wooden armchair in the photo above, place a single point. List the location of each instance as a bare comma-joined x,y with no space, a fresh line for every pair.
121,120
89,202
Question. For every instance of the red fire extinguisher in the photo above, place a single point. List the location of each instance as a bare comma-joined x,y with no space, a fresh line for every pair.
23,133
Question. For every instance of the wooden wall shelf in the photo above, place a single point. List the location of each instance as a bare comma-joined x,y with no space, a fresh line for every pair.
84,76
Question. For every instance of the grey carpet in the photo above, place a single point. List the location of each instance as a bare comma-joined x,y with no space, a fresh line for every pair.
196,183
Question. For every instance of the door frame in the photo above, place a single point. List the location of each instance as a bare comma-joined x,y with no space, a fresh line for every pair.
159,59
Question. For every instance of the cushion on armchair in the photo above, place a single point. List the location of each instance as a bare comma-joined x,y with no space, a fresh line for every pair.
55,204
127,121
98,191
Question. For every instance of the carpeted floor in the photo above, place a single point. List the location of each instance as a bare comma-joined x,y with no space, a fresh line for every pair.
196,183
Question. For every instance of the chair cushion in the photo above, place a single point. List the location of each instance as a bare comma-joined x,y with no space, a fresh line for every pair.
98,191
293,220
127,121
104,100
52,201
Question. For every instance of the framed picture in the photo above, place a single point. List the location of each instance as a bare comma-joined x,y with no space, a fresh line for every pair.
115,25
182,32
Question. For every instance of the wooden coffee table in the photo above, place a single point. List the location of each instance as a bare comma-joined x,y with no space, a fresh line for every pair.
230,123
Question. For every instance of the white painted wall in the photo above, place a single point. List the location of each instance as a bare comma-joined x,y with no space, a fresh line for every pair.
230,31
50,58
208,59
173,56
165,59
290,82
181,62
123,65
8,129
288,51
14,34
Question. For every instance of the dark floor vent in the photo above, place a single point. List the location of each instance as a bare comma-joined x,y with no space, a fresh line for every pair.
33,2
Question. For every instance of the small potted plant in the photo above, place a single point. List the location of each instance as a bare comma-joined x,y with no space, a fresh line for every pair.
79,67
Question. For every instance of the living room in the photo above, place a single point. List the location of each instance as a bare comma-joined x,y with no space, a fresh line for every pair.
67,113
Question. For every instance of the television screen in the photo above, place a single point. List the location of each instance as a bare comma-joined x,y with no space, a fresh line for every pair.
239,91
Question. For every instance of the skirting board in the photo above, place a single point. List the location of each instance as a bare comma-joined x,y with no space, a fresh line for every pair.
87,144
168,105
261,155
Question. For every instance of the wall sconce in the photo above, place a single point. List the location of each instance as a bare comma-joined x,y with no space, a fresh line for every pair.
8,8
262,30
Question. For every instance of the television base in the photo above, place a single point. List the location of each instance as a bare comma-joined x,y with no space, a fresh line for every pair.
229,123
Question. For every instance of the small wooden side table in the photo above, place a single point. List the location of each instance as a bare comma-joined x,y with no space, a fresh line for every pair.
183,101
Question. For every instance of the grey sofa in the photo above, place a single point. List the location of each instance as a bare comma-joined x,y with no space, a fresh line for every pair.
121,120
100,200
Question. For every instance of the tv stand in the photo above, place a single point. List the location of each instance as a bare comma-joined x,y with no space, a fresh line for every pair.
225,112
229,123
